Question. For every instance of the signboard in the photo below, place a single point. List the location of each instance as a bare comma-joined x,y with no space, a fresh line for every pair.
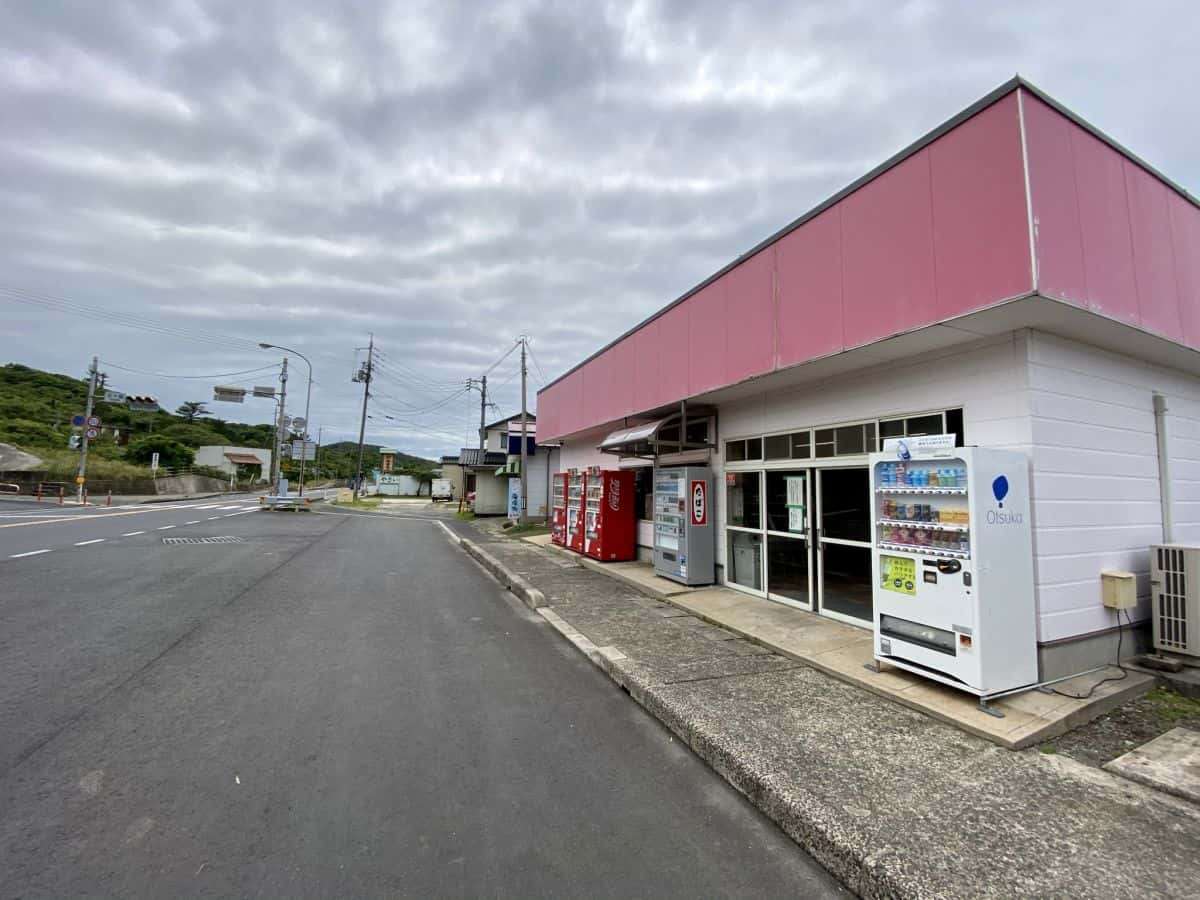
265,392
298,423
114,397
153,461
795,502
77,421
92,433
514,498
93,421
898,575
919,445
304,450
699,495
79,479
225,394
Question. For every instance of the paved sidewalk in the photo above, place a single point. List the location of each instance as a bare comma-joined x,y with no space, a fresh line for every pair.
891,801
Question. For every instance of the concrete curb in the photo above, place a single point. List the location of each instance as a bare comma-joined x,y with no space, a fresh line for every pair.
531,596
819,832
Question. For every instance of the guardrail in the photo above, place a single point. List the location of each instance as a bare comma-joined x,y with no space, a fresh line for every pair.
7,487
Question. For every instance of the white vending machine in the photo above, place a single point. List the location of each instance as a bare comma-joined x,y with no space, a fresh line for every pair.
952,564
683,526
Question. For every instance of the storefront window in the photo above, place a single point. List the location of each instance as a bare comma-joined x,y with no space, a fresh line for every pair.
777,446
735,451
745,559
743,501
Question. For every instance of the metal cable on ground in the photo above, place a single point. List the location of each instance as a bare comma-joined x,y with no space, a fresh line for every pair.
1124,674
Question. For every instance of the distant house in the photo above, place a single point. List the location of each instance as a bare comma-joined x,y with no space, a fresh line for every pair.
229,459
487,472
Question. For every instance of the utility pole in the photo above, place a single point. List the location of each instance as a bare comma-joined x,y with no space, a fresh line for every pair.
524,441
93,373
482,412
280,435
317,455
364,375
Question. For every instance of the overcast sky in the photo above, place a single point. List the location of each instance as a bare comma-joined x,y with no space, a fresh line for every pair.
453,174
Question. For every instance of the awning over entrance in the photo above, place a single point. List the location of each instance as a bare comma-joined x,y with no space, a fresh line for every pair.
628,436
665,435
244,459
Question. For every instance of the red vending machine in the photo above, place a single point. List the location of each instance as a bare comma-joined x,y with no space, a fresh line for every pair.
575,510
610,523
558,510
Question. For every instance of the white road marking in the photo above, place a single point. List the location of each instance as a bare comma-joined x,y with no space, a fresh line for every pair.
30,553
132,533
165,527
208,506
92,541
213,518
193,522
228,507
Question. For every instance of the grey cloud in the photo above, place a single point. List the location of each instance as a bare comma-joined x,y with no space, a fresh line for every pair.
450,174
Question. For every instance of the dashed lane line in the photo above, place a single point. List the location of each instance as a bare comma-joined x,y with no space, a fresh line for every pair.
29,553
193,522
213,518
132,533
165,527
92,541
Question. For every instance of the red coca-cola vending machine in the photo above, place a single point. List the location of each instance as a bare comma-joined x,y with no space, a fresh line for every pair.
558,509
610,520
575,510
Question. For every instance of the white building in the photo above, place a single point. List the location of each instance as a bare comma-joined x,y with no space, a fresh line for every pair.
227,459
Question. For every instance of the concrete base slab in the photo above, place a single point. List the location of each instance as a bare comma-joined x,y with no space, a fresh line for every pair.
1169,763
843,651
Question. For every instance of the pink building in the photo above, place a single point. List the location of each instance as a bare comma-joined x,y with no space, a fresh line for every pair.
1014,277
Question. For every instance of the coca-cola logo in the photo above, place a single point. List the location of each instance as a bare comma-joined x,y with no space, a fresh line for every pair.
614,493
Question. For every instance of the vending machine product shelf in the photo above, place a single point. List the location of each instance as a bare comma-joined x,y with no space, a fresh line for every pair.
558,511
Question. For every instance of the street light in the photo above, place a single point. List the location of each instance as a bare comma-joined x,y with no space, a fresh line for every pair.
307,399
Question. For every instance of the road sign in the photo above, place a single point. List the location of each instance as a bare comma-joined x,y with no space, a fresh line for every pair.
305,450
114,397
229,394
78,421
153,462
265,392
93,421
298,423
285,451
92,433
79,479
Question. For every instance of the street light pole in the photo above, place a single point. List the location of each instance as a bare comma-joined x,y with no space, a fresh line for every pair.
307,400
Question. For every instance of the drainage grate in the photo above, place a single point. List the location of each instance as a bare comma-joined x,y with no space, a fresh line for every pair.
226,539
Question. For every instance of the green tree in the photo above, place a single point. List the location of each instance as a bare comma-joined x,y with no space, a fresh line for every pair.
191,409
171,454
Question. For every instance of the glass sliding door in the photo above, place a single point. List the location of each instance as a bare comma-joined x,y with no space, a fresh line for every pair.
743,530
789,568
844,538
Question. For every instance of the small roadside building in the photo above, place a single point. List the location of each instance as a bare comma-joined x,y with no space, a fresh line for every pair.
490,472
1016,279
230,459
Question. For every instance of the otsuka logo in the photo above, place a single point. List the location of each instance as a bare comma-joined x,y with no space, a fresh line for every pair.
999,516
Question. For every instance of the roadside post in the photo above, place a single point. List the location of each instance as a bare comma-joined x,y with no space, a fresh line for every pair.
92,426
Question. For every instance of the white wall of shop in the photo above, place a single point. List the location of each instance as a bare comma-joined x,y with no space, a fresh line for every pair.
1095,475
986,379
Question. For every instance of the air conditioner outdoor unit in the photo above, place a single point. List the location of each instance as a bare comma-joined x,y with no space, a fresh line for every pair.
1175,598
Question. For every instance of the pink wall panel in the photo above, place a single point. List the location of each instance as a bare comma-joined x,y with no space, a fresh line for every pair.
1185,242
573,402
809,268
598,387
647,387
1104,226
707,327
750,317
887,246
624,363
673,336
1055,203
548,410
980,216
1153,256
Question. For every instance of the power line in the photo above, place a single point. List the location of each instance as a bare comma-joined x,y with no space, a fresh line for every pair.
167,375
541,374
493,366
128,320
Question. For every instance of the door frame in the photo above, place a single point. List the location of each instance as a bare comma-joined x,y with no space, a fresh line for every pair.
806,537
821,540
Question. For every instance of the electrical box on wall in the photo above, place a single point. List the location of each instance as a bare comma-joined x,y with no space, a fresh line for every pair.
1118,590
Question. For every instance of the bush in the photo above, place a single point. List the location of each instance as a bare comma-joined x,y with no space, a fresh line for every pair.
171,454
26,433
192,435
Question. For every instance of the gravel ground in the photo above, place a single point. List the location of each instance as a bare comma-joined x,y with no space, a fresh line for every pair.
1126,727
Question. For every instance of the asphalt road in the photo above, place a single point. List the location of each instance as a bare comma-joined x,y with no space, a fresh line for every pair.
336,706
